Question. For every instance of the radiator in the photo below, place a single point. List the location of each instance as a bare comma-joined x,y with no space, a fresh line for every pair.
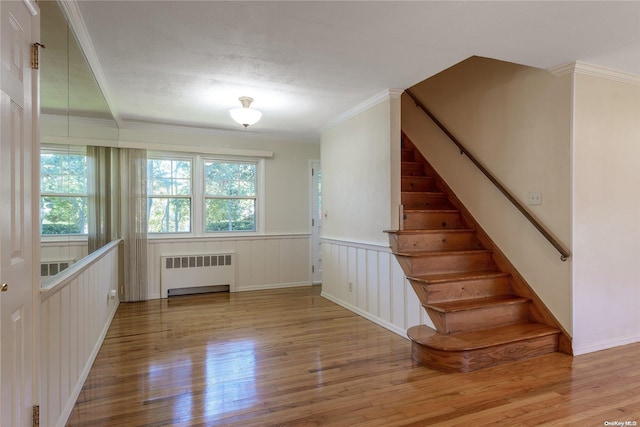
190,274
51,268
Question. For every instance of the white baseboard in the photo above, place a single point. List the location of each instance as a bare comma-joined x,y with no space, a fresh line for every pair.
603,345
366,315
273,286
255,288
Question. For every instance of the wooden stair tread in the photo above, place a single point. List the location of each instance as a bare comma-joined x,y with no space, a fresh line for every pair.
475,303
431,279
445,210
423,193
441,252
431,231
413,177
471,298
474,340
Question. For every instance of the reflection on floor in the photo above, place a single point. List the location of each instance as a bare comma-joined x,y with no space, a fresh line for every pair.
289,357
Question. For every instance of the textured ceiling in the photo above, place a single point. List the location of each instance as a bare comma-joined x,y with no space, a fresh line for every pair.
305,63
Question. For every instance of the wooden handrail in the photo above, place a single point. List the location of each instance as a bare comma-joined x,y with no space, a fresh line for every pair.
564,254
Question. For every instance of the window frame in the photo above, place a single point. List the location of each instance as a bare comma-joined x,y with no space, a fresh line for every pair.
157,155
198,196
48,148
206,197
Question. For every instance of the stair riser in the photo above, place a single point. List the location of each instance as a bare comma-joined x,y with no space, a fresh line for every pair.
471,360
408,155
432,220
418,184
425,201
479,318
438,241
442,264
412,169
461,290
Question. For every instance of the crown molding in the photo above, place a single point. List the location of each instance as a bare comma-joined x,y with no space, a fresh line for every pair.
76,22
80,120
32,6
198,130
364,106
595,71
221,151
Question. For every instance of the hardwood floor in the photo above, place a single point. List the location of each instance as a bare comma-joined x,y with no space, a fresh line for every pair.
289,357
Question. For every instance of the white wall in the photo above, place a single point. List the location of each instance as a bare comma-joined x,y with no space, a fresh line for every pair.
361,195
262,262
357,174
516,121
606,213
62,250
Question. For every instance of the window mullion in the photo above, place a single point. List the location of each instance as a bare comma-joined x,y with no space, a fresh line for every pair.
197,191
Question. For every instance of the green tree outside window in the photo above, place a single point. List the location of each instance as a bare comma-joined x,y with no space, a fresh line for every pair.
63,189
230,196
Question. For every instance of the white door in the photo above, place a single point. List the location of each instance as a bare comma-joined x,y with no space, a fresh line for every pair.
316,222
16,257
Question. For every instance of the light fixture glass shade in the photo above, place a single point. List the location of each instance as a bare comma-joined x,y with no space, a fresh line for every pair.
246,116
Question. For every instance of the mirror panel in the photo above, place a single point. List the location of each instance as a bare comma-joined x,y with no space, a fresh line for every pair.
73,115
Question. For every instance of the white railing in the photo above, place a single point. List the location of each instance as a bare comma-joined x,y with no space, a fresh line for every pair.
76,309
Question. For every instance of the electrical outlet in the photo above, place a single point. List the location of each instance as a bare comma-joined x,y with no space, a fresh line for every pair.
350,286
535,198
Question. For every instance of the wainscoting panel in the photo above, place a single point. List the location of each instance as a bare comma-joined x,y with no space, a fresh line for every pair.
76,308
262,261
368,280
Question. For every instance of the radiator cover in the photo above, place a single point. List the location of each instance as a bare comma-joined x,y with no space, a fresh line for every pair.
187,274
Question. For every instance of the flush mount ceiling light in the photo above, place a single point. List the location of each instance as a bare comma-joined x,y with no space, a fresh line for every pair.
246,115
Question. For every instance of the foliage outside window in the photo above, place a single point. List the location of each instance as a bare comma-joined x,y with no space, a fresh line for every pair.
169,195
63,191
229,196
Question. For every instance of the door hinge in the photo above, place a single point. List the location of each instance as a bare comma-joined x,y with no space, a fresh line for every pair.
36,416
35,55
313,222
313,268
312,172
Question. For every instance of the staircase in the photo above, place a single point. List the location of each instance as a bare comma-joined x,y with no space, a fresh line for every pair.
483,311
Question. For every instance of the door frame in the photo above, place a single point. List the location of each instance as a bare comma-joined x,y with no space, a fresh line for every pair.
315,218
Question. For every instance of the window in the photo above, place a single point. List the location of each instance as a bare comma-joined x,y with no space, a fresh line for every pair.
201,195
170,194
63,191
229,196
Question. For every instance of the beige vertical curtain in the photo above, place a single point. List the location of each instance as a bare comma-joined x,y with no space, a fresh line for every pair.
133,222
101,168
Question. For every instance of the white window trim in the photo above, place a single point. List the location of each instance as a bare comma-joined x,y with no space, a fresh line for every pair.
158,155
198,197
60,149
